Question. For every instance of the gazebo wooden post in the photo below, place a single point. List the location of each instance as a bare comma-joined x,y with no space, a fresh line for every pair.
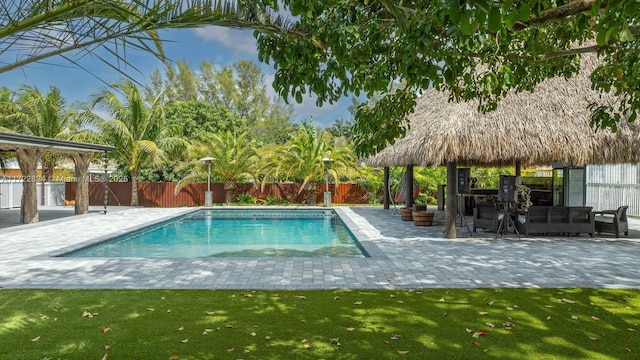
408,186
518,167
386,197
451,208
28,162
82,161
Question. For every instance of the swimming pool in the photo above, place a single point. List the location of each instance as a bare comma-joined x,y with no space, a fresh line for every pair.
235,233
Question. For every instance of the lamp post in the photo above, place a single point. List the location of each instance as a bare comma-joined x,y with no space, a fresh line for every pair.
327,194
208,195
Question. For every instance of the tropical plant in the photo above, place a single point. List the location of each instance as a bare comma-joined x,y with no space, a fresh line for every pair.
137,130
236,159
34,30
46,115
301,159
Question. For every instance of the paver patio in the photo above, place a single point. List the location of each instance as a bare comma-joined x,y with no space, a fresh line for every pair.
402,256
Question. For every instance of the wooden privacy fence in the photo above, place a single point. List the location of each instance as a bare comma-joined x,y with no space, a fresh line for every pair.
162,194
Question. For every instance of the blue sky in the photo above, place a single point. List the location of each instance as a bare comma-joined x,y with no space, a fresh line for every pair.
216,44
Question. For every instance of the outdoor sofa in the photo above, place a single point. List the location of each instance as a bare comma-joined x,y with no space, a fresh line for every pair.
556,220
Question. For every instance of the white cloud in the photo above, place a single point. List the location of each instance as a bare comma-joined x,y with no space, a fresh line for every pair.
234,40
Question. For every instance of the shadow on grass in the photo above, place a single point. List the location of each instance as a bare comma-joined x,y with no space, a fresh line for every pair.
203,324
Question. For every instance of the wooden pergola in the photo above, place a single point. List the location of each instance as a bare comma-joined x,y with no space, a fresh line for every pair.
29,150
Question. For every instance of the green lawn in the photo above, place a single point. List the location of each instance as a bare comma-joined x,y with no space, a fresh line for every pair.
232,324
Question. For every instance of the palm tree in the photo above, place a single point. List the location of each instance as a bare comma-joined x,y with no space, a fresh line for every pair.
137,130
46,115
302,160
235,157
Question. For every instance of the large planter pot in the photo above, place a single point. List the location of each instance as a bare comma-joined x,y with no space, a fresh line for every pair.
406,214
423,218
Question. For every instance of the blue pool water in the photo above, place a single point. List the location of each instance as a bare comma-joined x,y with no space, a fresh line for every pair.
235,233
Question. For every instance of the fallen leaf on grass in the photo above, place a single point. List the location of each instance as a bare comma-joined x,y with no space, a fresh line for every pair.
509,308
105,357
248,295
229,326
211,312
306,346
595,318
300,297
184,341
548,306
106,330
403,352
88,314
231,350
490,324
400,302
593,338
631,329
477,334
475,343
207,331
180,328
246,351
441,300
574,317
35,339
151,309
174,357
483,313
549,317
387,342
107,347
253,334
357,303
336,297
267,337
351,329
469,330
396,337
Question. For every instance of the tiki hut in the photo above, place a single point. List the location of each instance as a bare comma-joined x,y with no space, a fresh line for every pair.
528,128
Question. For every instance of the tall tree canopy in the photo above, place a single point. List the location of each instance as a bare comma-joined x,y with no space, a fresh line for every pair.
475,49
240,88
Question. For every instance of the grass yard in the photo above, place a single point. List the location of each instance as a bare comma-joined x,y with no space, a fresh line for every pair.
232,324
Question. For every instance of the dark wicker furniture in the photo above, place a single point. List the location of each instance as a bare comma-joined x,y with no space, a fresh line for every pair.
556,220
612,221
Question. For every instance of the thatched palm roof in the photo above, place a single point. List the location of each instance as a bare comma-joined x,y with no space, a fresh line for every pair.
550,124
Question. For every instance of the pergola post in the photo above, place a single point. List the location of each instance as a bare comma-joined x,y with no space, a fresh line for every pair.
451,208
387,196
408,186
28,161
82,161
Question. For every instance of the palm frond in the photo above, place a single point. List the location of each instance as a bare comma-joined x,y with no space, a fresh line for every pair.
34,30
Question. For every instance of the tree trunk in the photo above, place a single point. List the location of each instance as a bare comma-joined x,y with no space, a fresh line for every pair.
81,171
28,162
310,193
134,189
451,209
229,190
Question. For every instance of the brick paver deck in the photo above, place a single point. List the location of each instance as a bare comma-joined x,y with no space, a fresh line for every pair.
402,256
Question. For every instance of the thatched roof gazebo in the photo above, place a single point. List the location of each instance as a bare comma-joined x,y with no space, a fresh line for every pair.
532,128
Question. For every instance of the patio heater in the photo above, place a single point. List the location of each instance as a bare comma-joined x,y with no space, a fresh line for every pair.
327,193
208,195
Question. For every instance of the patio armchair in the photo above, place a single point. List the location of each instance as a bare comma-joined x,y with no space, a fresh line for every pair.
486,216
612,221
